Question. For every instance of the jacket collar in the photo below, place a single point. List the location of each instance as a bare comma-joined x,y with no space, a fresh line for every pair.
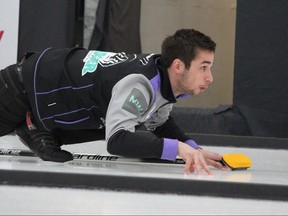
165,84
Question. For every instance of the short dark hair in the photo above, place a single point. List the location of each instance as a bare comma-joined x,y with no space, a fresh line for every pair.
184,45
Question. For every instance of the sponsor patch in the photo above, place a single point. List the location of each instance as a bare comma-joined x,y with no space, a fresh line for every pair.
135,103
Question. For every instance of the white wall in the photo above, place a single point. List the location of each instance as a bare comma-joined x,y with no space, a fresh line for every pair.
9,21
217,18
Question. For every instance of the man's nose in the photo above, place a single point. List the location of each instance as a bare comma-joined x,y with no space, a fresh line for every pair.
209,78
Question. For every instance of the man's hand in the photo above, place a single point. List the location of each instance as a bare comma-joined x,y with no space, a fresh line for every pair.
213,159
198,159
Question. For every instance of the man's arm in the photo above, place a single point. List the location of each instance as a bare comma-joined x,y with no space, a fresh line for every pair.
132,99
133,144
124,113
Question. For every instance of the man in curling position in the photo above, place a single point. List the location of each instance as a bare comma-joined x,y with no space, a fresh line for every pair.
65,96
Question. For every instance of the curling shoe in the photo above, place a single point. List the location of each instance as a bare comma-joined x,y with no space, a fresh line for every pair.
43,144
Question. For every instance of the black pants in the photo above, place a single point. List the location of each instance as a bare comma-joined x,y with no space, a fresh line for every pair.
13,101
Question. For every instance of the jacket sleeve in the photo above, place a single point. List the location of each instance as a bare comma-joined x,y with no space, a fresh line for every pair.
132,97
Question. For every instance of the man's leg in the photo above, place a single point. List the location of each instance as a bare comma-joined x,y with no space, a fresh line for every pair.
14,105
13,101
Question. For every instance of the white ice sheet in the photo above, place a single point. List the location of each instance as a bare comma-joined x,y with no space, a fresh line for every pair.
269,167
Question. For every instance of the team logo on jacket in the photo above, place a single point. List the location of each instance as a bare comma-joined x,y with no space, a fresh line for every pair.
135,103
105,59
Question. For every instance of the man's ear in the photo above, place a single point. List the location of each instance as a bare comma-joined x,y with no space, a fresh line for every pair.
178,65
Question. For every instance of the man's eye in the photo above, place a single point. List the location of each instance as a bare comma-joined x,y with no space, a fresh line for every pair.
203,68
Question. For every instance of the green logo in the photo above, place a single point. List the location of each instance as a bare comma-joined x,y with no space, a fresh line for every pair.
135,102
91,61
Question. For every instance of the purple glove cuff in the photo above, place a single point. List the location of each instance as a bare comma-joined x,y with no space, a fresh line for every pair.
193,144
170,149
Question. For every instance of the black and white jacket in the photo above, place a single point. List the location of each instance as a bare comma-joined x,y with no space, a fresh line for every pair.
89,89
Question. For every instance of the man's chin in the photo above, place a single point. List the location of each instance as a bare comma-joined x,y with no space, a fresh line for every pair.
197,93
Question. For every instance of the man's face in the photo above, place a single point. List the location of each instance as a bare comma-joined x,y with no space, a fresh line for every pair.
197,78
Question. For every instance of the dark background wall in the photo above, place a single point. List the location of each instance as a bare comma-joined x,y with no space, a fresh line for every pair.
52,23
261,66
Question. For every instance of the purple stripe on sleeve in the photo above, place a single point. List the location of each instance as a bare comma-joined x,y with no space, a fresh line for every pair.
193,144
66,113
72,122
170,149
66,87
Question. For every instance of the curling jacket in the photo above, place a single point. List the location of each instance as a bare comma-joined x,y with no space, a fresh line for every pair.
88,89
